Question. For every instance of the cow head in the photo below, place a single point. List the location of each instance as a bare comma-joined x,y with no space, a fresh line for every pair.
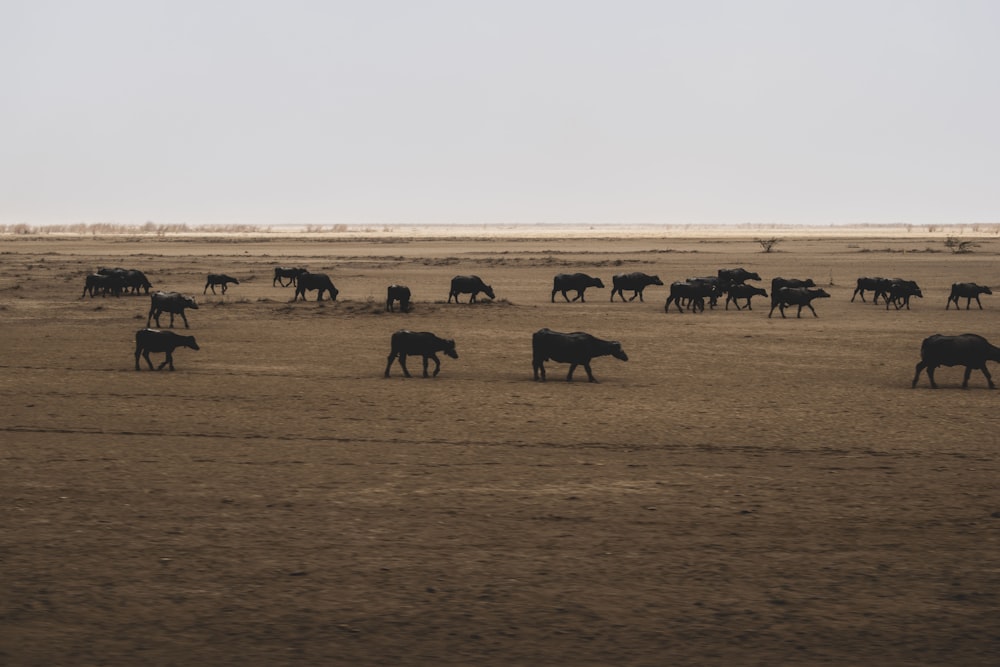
189,302
489,292
189,341
985,290
333,292
655,280
450,348
617,352
818,293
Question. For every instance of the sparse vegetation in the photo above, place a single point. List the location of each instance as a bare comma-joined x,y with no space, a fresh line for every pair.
958,246
767,245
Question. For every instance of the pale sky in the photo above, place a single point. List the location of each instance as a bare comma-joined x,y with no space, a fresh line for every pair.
506,111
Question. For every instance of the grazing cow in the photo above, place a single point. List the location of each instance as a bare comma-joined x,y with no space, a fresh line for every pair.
795,296
103,283
877,285
579,282
153,340
469,285
694,292
400,293
136,280
899,293
744,292
778,283
306,282
575,349
219,279
969,350
967,291
423,343
282,272
169,302
636,282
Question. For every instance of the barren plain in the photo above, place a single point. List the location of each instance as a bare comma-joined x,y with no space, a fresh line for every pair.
744,490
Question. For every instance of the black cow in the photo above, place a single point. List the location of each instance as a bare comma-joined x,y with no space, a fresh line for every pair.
575,349
579,282
469,285
967,291
400,293
877,285
103,283
694,292
169,302
423,343
743,292
282,272
795,296
219,279
306,282
730,277
899,293
969,350
636,282
153,340
778,283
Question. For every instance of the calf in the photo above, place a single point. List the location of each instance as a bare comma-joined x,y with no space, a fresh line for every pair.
282,272
423,343
469,285
969,350
744,292
153,340
219,279
967,291
400,293
795,296
314,281
575,349
169,302
578,282
636,282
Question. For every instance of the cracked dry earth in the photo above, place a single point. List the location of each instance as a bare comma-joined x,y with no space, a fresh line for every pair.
743,490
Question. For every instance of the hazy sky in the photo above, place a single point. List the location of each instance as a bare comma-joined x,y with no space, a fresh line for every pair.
466,111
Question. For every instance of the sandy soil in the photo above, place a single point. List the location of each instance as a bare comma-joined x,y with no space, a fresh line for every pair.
743,490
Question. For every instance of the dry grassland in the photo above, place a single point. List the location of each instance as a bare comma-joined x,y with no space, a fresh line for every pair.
743,490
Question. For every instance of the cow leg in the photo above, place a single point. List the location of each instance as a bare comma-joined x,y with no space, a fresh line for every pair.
989,378
437,365
773,306
145,354
590,376
168,360
150,317
569,376
205,289
224,287
138,351
966,376
402,363
930,376
748,305
920,366
810,308
566,296
538,367
388,365
579,295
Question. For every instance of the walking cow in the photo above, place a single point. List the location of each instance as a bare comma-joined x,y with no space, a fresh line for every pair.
795,296
169,302
967,291
637,282
219,279
290,272
424,343
575,349
969,350
578,282
469,285
153,340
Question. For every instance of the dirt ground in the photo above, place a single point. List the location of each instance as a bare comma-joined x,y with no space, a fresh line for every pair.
741,491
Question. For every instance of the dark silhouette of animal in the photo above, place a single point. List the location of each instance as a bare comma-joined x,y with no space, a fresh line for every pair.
306,282
575,349
400,293
469,285
693,292
103,283
132,280
879,286
969,350
716,284
778,283
169,302
899,293
744,292
967,291
424,343
219,279
795,296
153,340
578,282
289,272
637,282
738,276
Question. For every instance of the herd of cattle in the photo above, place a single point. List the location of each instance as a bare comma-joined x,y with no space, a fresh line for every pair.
577,348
